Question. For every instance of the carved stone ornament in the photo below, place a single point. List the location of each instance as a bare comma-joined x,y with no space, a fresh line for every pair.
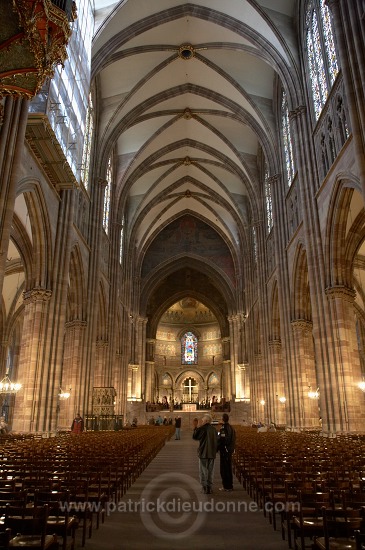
37,295
33,41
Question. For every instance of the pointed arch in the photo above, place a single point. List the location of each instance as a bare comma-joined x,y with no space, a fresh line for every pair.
102,314
275,313
76,290
40,227
301,295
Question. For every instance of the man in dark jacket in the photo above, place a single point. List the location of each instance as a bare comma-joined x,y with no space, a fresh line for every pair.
177,427
226,445
207,436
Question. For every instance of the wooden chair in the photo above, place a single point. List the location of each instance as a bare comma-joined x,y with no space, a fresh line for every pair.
59,521
290,510
339,528
309,522
79,505
5,536
360,540
30,524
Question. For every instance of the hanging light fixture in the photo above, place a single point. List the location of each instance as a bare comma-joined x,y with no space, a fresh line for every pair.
361,385
64,394
313,394
7,386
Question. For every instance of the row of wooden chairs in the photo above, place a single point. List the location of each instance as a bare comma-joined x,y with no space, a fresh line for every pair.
293,477
74,477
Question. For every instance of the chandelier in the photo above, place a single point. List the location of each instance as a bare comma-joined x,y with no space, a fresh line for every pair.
313,394
64,394
7,386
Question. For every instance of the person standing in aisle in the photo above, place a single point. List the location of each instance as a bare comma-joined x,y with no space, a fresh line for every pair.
226,445
177,427
207,436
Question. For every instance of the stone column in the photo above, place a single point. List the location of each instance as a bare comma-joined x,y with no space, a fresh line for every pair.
122,385
73,370
227,381
258,390
141,355
348,24
150,364
100,365
322,322
118,382
13,124
303,411
243,381
96,217
277,386
33,371
134,376
114,271
339,390
235,348
285,306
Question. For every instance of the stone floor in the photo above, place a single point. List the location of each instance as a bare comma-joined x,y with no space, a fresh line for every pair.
165,509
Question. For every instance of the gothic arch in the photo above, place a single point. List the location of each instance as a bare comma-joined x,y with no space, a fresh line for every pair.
301,295
101,335
189,372
76,289
275,313
189,328
344,231
42,250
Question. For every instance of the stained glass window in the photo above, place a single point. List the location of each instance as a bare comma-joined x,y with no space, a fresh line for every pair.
189,349
107,196
287,142
89,129
268,199
322,59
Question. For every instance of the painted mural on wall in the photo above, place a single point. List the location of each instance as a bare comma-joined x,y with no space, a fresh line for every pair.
165,349
192,236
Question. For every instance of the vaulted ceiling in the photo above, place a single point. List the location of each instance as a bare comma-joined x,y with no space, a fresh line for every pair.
185,96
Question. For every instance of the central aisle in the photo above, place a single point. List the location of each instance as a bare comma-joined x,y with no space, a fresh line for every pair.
165,509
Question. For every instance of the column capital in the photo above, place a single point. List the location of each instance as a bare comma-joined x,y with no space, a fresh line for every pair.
102,343
235,317
76,323
341,292
297,112
102,182
37,295
274,179
301,325
133,366
275,343
330,3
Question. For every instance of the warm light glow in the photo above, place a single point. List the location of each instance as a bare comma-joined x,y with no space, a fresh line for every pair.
362,385
7,386
262,402
64,394
282,399
313,394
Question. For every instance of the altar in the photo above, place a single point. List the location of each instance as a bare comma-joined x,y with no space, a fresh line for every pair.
189,407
